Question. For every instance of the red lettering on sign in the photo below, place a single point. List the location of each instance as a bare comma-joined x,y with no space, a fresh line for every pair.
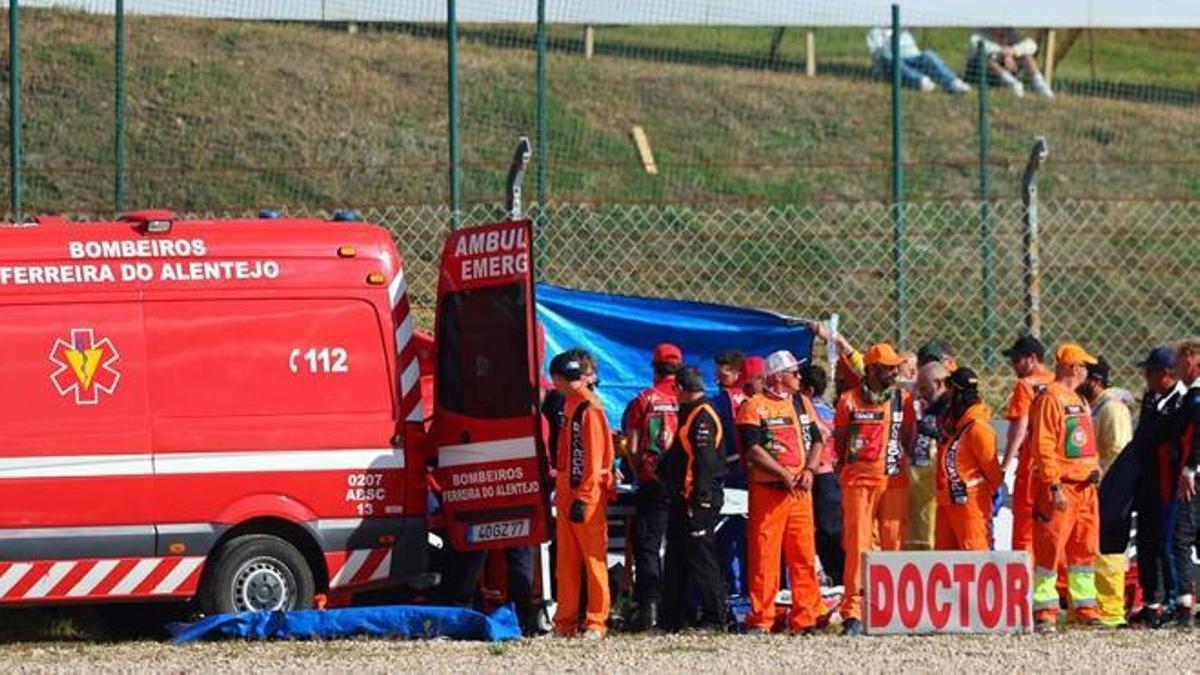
964,575
880,583
939,612
1018,595
990,595
909,596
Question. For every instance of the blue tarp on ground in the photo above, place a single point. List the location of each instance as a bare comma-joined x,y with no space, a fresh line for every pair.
621,331
396,621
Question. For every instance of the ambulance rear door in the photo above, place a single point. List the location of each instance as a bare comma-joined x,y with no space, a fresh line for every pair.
491,466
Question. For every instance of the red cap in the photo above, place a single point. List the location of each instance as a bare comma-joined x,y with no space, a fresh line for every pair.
752,367
667,353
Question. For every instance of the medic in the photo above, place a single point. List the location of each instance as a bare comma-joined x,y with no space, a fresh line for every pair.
650,423
583,485
869,425
968,473
782,446
692,471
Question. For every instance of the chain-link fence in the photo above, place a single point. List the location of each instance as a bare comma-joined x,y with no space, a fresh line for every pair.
1119,277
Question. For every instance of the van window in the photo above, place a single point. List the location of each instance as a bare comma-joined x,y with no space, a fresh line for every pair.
256,357
483,360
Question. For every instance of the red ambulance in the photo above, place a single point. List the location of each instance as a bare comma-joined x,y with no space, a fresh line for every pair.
222,410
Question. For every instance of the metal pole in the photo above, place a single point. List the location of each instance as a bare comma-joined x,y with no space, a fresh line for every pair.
985,216
119,109
899,235
1033,275
14,110
539,223
452,104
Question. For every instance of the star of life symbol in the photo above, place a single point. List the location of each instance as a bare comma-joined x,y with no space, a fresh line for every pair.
85,366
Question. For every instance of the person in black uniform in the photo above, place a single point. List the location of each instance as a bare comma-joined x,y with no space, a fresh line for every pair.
692,471
1153,500
1186,440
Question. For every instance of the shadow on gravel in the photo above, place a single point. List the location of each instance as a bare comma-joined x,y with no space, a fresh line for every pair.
89,624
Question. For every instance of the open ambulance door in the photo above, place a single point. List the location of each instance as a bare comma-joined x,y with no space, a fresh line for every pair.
486,425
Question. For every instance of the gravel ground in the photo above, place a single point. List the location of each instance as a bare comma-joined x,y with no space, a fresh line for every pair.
1142,651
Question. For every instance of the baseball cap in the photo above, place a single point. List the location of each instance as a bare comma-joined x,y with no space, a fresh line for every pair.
566,366
934,350
689,379
883,354
781,361
752,367
1071,354
667,353
963,379
1099,371
1159,357
1024,346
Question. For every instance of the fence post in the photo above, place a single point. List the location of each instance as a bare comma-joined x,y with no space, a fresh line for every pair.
1033,275
14,110
119,108
899,234
539,223
985,216
452,108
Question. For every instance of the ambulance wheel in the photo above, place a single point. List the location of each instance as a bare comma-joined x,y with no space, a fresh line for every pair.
257,572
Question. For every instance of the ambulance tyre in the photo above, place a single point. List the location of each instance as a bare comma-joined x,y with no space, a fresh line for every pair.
256,572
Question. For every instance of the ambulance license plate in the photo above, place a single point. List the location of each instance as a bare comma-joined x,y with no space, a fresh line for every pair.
504,529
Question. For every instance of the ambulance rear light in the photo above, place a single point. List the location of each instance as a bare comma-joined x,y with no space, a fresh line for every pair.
376,279
150,222
156,226
347,252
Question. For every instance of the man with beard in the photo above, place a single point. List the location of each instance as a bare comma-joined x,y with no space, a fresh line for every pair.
868,427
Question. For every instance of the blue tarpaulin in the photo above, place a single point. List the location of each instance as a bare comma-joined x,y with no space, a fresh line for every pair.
621,332
396,621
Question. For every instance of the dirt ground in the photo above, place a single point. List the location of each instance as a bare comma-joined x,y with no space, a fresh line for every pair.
1168,650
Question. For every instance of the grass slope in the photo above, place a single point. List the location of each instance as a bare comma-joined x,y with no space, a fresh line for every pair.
234,114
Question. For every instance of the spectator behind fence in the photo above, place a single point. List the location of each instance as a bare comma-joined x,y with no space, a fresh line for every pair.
919,69
1008,54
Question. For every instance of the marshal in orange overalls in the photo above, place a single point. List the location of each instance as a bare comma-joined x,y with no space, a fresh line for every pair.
585,458
1065,460
780,518
874,480
1024,391
967,476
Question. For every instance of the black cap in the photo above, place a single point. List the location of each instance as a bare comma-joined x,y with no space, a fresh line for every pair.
1159,357
934,350
567,366
689,379
1099,371
964,379
1024,346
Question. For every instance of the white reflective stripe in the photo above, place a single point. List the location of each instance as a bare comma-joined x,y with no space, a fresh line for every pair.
384,568
487,451
48,581
277,460
73,466
410,377
178,575
218,461
397,288
92,579
404,333
353,564
418,413
135,576
13,575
